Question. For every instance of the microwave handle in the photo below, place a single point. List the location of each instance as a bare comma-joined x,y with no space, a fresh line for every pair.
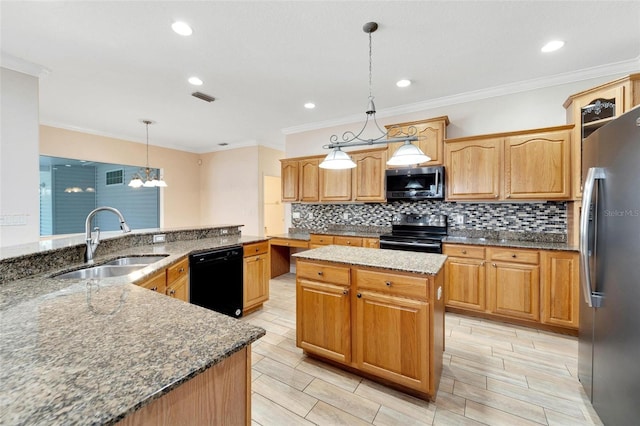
437,179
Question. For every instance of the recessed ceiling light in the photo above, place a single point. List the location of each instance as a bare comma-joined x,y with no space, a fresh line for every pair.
309,105
195,81
403,83
552,46
182,28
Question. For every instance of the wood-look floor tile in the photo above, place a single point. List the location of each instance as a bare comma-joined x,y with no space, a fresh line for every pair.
282,394
460,351
555,418
529,353
290,345
446,384
344,400
398,401
479,340
255,358
533,396
282,355
284,373
272,338
270,326
255,374
488,371
469,347
330,374
266,413
450,402
447,418
325,414
464,375
568,389
500,402
389,417
495,417
532,368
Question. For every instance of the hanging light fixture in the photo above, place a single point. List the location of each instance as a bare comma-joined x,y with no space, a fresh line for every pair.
150,179
407,154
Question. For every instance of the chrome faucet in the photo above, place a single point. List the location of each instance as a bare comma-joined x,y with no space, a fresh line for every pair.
92,243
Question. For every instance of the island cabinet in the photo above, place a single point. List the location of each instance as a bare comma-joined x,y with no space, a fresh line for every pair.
430,133
256,274
386,325
526,165
528,286
172,281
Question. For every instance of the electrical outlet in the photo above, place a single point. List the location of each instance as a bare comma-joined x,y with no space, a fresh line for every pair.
460,219
345,215
310,215
159,238
296,215
224,231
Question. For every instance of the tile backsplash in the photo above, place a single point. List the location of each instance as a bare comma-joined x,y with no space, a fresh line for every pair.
546,217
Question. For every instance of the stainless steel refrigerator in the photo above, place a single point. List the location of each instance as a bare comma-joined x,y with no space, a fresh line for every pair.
609,337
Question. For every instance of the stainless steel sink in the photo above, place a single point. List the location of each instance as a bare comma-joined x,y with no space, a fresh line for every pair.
137,260
102,271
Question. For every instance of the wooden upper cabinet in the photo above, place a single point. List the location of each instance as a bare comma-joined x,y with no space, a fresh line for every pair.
473,169
369,175
335,185
290,181
537,166
308,172
431,134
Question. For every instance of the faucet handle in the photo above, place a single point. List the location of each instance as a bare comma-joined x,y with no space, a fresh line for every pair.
96,240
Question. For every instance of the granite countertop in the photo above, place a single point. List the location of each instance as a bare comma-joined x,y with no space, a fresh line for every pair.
91,351
540,245
419,263
305,236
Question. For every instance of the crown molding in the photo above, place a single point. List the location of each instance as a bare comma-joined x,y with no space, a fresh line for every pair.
617,68
20,65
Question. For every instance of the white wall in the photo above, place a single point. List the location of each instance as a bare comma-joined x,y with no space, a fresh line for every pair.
19,171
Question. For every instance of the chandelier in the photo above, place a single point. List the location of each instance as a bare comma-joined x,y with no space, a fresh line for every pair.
150,180
407,154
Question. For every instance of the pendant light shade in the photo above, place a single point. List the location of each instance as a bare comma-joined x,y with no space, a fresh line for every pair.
408,155
150,179
337,160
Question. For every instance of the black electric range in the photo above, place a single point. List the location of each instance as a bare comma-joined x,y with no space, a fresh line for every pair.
413,232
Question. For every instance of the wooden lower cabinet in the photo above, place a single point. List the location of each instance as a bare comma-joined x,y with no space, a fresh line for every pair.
256,275
319,240
172,281
379,323
534,286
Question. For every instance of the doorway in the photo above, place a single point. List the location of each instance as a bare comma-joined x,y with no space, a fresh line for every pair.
273,207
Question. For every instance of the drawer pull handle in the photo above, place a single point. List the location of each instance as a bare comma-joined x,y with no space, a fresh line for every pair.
464,252
345,291
257,248
257,257
320,273
181,270
172,292
359,295
514,255
154,288
388,283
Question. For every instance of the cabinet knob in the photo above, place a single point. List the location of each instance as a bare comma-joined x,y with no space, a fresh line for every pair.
257,249
154,288
320,273
514,255
172,292
348,243
496,196
494,265
358,295
388,283
257,257
464,252
181,270
482,264
345,291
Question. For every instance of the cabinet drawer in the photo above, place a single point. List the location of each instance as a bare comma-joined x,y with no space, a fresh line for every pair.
289,243
321,239
514,255
392,283
471,252
324,273
178,270
348,241
371,242
255,248
155,283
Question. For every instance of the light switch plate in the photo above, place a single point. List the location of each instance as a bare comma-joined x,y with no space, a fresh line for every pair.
296,215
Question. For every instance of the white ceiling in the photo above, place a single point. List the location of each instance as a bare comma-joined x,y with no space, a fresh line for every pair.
113,63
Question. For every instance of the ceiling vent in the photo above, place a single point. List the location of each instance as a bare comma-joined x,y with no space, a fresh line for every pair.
223,144
203,96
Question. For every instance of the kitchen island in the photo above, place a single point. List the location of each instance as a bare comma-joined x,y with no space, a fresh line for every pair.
104,351
378,313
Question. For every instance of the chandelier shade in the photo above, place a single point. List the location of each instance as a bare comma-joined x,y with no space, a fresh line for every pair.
146,177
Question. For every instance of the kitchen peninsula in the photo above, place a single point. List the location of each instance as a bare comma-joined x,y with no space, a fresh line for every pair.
105,351
379,313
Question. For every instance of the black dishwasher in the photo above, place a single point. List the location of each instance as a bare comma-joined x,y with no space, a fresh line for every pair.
216,280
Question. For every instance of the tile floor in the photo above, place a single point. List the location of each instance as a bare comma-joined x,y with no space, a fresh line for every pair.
493,374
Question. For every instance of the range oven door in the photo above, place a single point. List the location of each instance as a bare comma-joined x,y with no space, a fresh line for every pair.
411,245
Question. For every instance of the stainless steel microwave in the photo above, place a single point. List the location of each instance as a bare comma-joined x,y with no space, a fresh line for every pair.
418,183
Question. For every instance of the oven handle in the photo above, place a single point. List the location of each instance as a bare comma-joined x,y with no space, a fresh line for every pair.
394,243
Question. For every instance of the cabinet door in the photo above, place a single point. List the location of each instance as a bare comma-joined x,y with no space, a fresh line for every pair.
309,179
256,281
473,169
392,338
335,185
514,290
465,283
323,319
179,289
430,133
289,174
157,282
560,288
369,176
537,166
371,242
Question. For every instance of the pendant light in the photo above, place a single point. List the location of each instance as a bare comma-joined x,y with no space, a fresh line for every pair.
150,179
407,154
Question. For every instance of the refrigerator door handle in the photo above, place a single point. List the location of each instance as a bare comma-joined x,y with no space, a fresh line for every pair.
593,174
